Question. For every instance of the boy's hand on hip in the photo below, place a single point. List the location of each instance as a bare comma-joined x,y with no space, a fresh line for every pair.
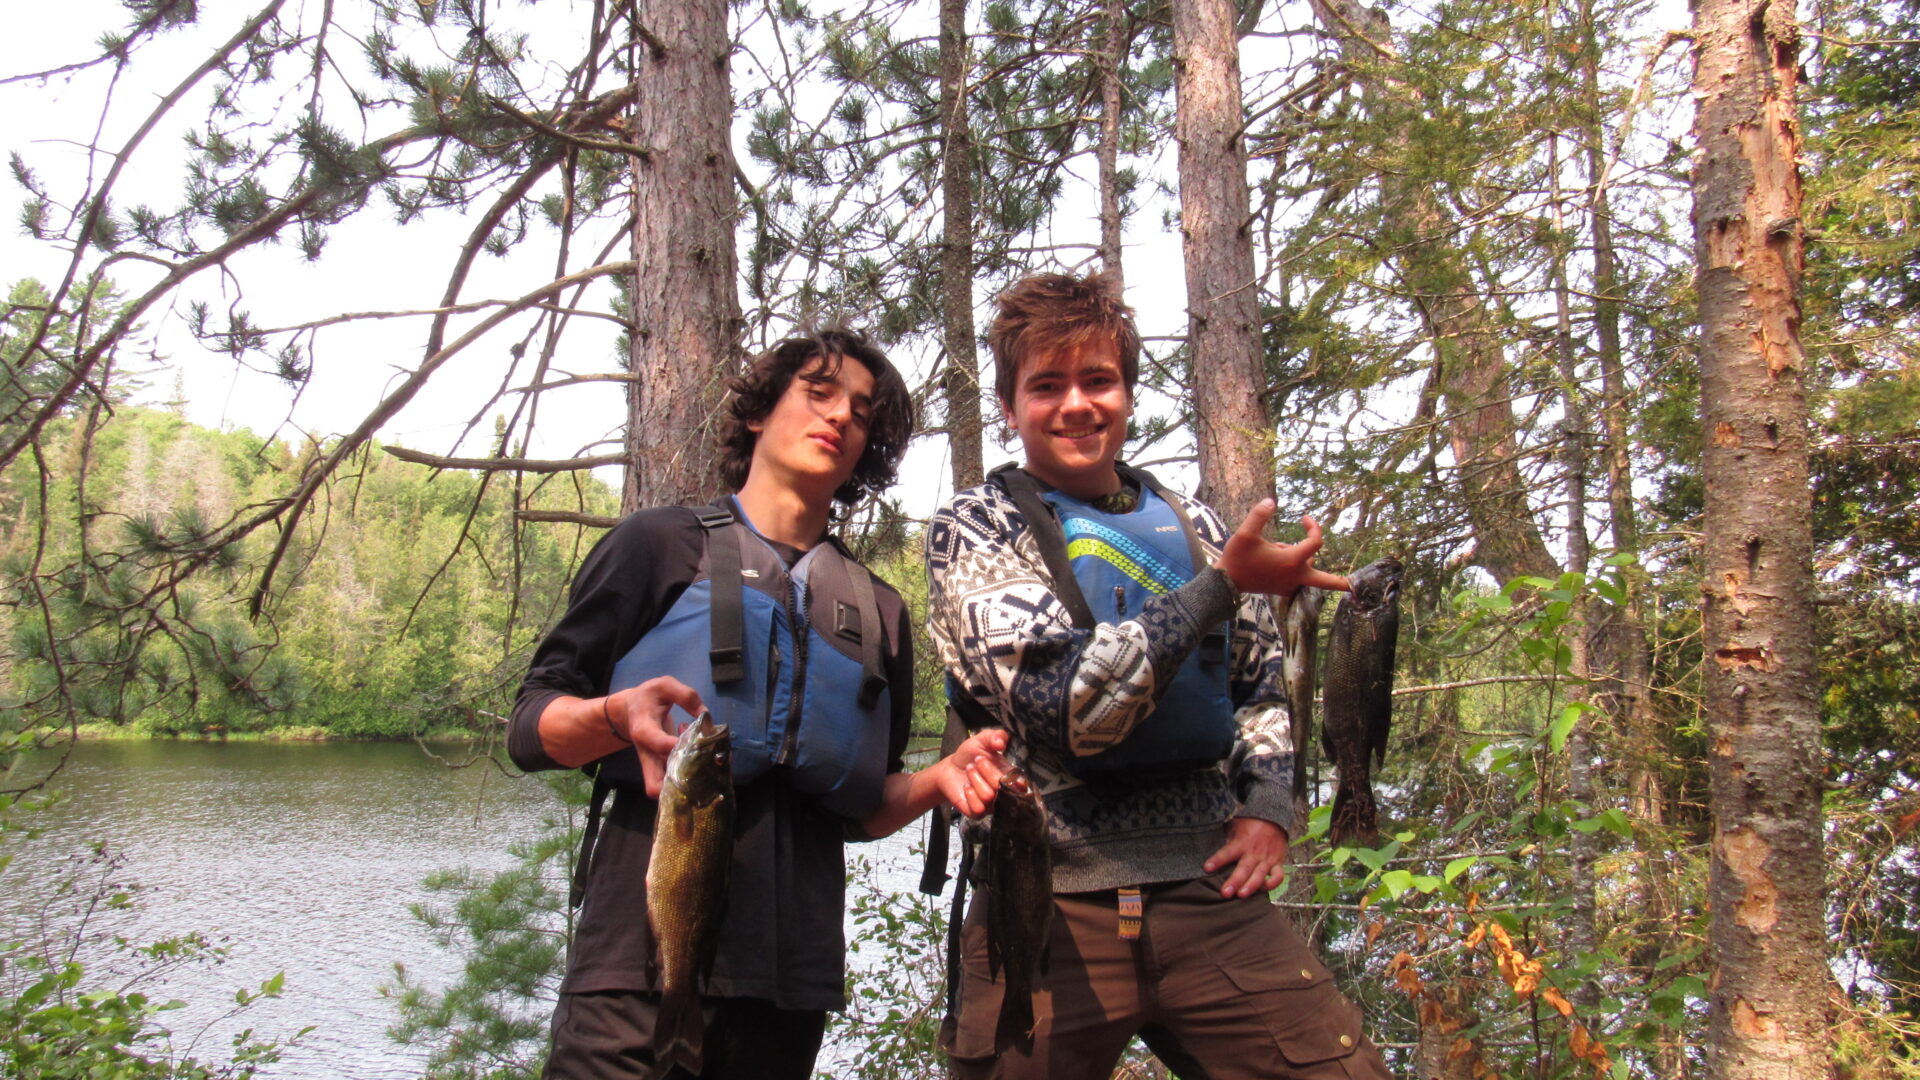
1257,851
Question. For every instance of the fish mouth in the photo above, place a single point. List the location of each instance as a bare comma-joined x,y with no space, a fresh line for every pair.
1016,783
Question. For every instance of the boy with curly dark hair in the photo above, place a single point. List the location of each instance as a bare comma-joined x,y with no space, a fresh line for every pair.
750,608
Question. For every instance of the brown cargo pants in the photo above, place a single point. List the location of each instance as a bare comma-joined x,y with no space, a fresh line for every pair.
1220,989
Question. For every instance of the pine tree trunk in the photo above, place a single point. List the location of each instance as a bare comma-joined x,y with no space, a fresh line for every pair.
1767,943
1231,428
962,382
1467,346
686,310
1113,57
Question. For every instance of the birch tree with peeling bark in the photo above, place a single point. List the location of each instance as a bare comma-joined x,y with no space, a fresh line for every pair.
1769,952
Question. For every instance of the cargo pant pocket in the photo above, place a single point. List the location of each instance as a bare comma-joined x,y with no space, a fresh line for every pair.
1294,994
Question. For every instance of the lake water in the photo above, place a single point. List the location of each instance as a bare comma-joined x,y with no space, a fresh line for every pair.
300,858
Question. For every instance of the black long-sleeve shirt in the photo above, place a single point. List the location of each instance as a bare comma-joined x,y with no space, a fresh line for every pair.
782,938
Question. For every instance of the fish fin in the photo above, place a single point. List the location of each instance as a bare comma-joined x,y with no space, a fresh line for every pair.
1015,1026
679,1034
1356,819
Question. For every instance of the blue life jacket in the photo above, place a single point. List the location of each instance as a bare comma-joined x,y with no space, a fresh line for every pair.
1105,567
789,660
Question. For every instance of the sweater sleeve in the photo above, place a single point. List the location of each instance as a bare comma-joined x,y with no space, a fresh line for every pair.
624,586
1011,645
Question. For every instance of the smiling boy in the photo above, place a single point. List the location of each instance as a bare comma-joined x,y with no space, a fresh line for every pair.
1116,631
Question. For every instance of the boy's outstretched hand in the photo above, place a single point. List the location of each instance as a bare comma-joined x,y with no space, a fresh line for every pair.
1256,564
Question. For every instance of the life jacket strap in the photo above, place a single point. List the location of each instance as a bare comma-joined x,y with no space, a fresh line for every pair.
727,610
1052,541
577,888
873,674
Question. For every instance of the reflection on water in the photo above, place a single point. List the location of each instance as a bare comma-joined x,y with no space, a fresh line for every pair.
299,857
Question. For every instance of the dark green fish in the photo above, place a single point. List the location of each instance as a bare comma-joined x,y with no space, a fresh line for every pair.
1357,700
1019,903
687,884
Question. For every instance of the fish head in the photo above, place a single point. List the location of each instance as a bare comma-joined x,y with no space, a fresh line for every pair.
1376,586
1015,783
701,765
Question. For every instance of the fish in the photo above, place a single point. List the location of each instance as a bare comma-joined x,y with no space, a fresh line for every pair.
1019,903
1357,701
687,884
1300,625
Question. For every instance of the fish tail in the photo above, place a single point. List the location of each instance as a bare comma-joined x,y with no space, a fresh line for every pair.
1356,820
1015,1027
679,1034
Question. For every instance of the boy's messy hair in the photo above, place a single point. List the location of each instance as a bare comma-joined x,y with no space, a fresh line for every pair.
1048,314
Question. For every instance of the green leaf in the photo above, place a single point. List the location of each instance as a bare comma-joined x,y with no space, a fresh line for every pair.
1563,724
1396,882
1458,866
1372,858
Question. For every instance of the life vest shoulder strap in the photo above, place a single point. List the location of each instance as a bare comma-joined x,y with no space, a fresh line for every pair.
1025,490
726,610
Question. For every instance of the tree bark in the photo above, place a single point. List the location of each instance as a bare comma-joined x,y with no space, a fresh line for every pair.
1765,886
686,308
962,382
1231,426
1113,57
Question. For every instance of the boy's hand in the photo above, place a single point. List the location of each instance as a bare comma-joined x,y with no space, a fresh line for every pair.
970,776
1257,851
1255,564
641,715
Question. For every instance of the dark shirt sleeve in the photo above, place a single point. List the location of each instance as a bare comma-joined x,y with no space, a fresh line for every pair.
625,585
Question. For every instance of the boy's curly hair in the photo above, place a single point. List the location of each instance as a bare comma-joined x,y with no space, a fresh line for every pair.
751,398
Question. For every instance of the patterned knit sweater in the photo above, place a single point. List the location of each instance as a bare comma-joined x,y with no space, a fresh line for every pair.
1010,645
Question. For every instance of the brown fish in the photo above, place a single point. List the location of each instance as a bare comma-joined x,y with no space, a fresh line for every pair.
1357,702
1019,903
687,884
1300,624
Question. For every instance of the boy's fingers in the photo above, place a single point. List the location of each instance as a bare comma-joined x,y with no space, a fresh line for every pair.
1257,518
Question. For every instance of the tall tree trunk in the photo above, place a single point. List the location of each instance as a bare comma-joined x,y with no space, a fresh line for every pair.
1231,428
1113,58
1583,935
1467,346
686,310
1767,943
1628,651
962,382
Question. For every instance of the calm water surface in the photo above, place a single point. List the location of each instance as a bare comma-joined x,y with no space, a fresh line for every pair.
301,858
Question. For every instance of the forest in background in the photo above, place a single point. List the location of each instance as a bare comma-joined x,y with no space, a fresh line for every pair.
1456,295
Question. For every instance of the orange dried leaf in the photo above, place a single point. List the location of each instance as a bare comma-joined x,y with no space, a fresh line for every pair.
1554,998
1373,930
1579,1041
